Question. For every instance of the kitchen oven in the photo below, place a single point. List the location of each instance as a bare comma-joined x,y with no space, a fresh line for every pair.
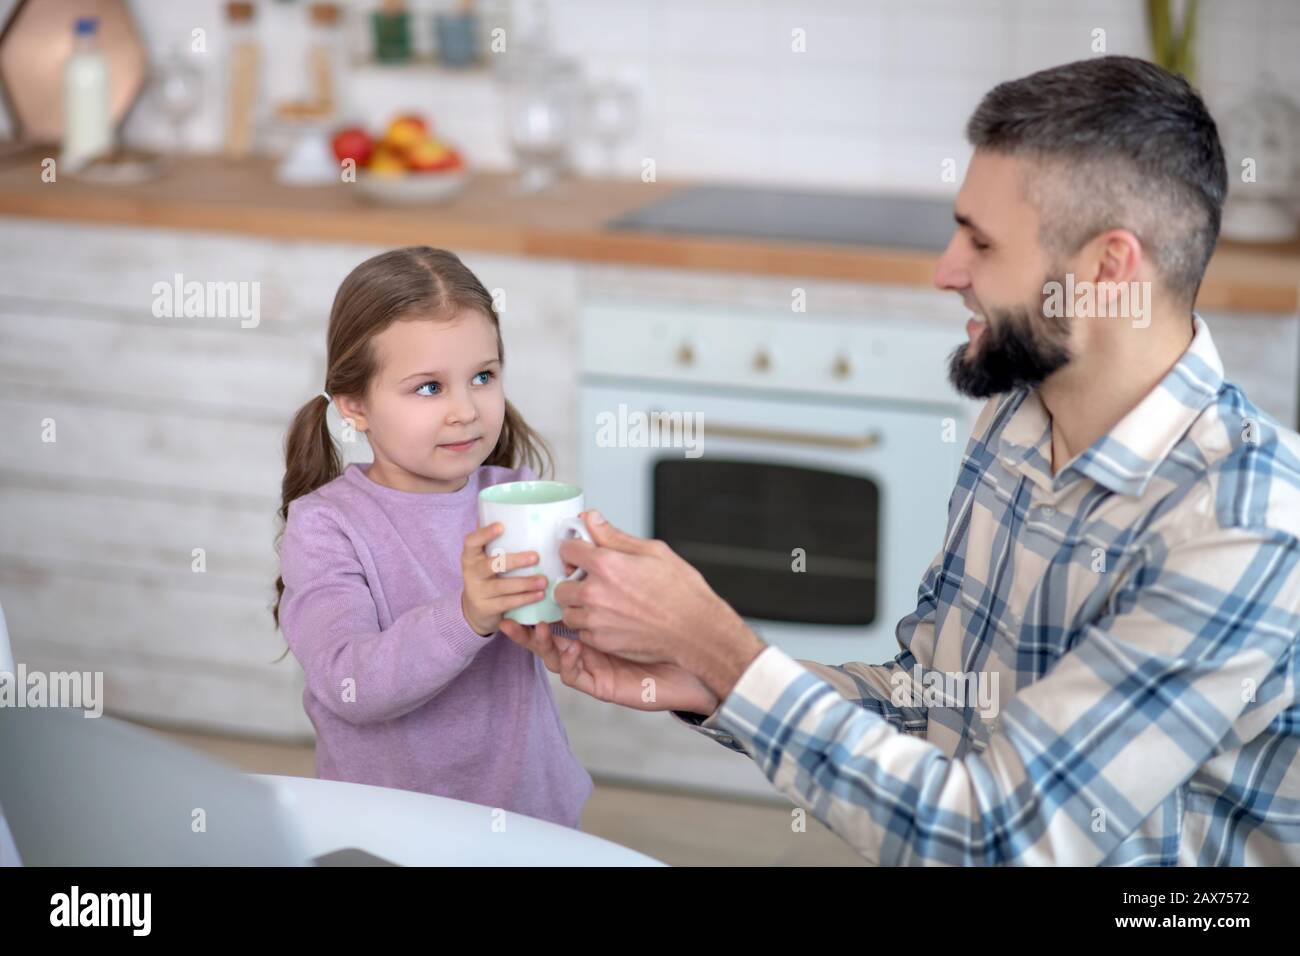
802,464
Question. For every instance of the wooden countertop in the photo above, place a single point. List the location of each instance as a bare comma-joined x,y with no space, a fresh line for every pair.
213,193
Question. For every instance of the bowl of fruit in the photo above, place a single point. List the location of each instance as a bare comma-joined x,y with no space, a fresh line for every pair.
408,164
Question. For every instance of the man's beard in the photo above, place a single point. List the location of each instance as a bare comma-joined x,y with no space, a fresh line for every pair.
1014,351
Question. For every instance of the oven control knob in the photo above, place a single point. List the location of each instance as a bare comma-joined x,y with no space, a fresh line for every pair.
842,367
762,361
685,354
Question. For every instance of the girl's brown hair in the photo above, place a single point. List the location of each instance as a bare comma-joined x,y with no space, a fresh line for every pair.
417,282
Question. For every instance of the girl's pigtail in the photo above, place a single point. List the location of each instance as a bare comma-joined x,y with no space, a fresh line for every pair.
310,461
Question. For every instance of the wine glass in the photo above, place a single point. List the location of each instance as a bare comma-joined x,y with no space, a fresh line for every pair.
611,115
543,120
178,89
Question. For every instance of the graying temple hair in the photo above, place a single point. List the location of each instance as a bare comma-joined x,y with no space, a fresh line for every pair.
1117,142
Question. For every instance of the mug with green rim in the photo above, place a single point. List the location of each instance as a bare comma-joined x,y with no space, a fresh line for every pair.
537,516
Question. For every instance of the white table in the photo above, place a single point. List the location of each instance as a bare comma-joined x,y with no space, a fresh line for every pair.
417,829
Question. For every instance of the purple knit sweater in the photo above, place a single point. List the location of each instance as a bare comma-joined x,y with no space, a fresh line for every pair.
401,690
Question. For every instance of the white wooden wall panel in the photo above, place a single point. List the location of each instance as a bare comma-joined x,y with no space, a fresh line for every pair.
170,437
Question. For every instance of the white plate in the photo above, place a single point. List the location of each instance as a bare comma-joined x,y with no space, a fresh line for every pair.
413,187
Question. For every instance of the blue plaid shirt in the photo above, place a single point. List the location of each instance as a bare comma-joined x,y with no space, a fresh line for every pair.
1101,667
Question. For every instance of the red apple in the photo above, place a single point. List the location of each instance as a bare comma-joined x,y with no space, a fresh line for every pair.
353,143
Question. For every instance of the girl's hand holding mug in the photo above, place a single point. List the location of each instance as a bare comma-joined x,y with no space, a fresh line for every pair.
486,597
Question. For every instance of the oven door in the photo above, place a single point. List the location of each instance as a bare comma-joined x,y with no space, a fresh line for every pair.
815,518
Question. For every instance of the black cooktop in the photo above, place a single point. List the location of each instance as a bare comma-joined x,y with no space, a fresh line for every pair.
852,218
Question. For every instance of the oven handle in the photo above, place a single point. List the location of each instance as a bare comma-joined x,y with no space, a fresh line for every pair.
820,439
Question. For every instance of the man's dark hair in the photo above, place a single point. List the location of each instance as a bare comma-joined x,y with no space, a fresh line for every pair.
1117,142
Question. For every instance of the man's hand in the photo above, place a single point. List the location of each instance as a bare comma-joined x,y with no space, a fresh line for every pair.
643,603
657,686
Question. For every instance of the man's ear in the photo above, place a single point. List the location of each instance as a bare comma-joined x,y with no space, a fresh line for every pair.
1119,256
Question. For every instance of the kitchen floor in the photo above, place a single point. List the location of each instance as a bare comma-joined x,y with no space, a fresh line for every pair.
677,828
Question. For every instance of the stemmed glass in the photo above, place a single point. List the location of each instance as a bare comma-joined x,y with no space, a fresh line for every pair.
178,89
611,116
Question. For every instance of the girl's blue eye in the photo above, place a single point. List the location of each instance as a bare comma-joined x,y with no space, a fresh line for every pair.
420,390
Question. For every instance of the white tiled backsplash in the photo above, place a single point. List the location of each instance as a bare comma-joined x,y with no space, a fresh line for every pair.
878,100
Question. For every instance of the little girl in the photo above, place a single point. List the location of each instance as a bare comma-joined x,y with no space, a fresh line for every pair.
386,596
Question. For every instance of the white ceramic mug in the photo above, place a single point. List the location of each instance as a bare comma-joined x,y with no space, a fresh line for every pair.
537,516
